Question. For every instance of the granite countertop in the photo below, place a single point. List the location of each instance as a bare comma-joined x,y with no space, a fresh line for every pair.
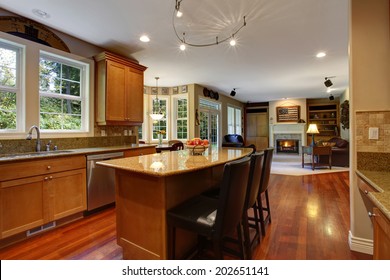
171,163
380,181
68,152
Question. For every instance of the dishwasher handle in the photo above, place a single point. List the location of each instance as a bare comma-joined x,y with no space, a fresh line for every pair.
105,156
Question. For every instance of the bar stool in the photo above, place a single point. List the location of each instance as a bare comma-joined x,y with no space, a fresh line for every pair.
214,219
263,190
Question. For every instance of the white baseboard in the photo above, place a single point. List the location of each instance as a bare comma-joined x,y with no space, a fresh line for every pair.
361,245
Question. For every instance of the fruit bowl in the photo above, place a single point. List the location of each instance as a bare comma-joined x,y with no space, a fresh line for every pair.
196,149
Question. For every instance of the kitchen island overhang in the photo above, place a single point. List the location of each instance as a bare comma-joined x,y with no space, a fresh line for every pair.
147,186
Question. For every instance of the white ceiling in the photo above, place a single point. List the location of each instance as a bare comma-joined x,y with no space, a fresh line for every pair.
273,59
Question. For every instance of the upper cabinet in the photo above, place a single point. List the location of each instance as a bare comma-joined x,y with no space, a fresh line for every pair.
119,90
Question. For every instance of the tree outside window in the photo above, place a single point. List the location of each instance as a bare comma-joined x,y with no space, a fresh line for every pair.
61,96
9,86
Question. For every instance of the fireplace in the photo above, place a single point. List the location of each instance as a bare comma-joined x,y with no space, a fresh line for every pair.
287,146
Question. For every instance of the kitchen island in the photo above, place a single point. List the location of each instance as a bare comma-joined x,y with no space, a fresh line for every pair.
147,186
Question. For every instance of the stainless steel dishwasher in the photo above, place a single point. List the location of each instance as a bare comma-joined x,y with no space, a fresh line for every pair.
100,181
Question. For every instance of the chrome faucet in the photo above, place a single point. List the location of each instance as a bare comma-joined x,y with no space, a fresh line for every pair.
29,137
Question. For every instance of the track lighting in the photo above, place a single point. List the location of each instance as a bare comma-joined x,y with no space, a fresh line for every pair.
328,82
331,97
179,14
233,92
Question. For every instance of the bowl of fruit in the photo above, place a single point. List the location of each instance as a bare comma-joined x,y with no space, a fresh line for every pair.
197,146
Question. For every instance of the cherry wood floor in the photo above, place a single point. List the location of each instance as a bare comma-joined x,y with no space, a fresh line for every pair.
310,221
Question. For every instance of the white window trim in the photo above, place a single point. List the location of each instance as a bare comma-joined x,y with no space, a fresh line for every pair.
174,99
84,90
20,85
168,119
235,117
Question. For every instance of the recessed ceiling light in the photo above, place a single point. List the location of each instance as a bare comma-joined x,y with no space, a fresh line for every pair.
320,54
144,38
40,13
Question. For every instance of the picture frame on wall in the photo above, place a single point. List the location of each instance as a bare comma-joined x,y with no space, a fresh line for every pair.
165,91
154,90
288,113
184,89
175,90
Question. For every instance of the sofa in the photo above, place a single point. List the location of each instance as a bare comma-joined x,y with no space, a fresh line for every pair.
232,140
340,152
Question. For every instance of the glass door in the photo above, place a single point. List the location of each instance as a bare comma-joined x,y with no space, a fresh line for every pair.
209,126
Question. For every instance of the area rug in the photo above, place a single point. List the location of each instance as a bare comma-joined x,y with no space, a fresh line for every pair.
288,164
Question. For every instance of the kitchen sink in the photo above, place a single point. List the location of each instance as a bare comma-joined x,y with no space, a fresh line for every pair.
34,154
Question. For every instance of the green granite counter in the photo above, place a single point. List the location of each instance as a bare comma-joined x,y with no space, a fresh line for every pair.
380,181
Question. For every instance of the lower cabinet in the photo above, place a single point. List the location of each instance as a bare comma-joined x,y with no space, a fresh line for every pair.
381,235
140,151
32,201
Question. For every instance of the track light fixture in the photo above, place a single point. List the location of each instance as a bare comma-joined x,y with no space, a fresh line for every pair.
331,97
233,92
328,82
178,13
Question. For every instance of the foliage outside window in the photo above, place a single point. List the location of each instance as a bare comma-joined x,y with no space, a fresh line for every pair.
181,118
161,124
62,96
10,87
234,120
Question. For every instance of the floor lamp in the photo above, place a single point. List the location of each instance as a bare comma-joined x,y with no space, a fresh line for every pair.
312,130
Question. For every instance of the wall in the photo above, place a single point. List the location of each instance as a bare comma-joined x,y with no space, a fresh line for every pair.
369,92
290,102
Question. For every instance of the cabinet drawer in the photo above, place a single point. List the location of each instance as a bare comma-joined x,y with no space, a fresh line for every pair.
364,187
33,167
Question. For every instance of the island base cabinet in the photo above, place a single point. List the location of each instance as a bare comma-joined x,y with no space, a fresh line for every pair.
381,236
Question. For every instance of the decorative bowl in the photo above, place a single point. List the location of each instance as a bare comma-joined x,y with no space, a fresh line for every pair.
196,149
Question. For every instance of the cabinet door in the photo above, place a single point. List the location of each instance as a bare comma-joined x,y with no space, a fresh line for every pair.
116,92
381,236
134,95
67,193
22,205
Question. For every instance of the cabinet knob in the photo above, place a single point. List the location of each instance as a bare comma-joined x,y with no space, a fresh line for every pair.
371,214
46,178
50,177
366,191
48,167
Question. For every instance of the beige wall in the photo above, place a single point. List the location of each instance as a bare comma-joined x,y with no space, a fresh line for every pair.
369,91
290,102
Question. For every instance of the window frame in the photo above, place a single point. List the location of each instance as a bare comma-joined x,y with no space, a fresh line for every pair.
152,97
175,117
84,91
234,125
19,88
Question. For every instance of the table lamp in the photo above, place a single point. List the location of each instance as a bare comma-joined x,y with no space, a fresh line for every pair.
312,130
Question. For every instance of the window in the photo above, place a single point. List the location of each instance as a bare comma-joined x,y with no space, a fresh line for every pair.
234,120
11,99
181,112
63,94
161,124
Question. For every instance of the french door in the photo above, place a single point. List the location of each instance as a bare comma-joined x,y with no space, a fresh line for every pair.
209,125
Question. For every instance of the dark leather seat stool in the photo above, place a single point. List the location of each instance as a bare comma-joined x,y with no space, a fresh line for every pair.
214,219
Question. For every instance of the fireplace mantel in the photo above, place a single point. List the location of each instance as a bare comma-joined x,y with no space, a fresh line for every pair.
287,128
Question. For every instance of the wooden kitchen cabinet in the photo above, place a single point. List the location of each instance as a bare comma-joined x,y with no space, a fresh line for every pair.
119,90
140,151
381,235
36,192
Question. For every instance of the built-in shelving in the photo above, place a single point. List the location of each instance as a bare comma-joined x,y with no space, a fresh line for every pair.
326,117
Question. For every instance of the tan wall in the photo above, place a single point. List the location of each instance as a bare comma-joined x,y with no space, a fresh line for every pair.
369,91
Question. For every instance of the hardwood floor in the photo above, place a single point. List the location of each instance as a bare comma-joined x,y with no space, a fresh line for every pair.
310,221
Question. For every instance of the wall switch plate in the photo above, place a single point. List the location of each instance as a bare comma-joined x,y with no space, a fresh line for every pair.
373,133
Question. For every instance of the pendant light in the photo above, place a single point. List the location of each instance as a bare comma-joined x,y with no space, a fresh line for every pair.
156,115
